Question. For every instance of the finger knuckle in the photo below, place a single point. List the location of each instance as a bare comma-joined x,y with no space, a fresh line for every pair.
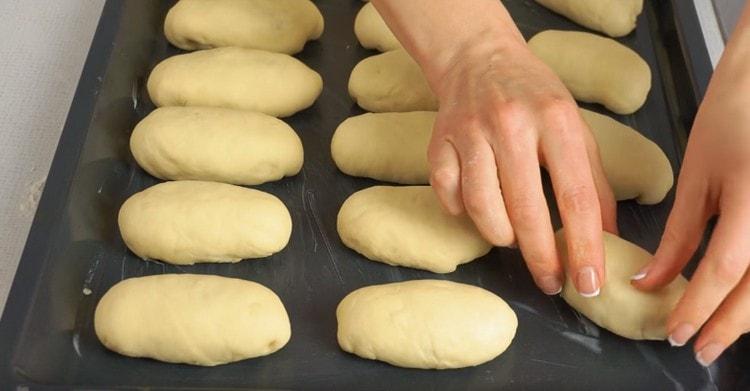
524,209
443,178
727,269
475,204
578,199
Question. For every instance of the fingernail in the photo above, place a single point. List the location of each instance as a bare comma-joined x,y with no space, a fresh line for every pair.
550,285
641,274
681,334
587,282
709,354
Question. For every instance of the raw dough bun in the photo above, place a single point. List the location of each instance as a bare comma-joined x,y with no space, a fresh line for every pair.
615,18
393,147
372,32
236,78
187,222
406,226
428,324
275,25
620,307
391,81
191,319
385,146
595,69
215,144
635,166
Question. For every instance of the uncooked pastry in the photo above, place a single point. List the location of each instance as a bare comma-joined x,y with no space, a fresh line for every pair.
615,18
216,144
595,69
246,79
372,32
191,319
635,166
391,81
406,226
275,25
385,146
393,147
428,324
186,222
620,307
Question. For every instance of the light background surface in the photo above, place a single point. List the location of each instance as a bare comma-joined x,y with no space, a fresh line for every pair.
42,52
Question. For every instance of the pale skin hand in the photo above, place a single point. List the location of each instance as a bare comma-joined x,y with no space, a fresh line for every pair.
715,180
503,113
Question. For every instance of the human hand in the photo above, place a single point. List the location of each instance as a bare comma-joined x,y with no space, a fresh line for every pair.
502,114
714,180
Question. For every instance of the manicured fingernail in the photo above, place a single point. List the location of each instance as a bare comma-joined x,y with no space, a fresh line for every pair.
587,282
640,275
681,334
709,354
550,285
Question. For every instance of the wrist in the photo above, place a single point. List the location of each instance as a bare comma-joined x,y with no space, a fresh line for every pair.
480,51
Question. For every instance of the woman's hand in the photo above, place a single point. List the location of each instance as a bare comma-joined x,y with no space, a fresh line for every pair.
715,180
502,114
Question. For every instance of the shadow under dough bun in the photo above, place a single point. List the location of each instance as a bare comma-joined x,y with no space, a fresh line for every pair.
620,307
236,78
191,319
428,324
282,26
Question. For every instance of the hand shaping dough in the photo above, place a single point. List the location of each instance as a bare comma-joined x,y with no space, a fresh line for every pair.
595,69
185,222
385,146
191,319
391,81
615,18
620,307
393,147
406,226
428,324
372,32
215,144
235,78
635,166
274,25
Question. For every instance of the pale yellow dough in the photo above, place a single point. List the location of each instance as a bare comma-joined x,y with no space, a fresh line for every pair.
635,166
595,69
236,78
620,307
391,81
393,147
275,25
191,319
215,144
385,146
187,222
615,18
372,32
428,324
406,226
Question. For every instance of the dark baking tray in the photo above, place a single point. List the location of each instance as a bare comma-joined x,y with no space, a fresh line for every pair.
74,245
